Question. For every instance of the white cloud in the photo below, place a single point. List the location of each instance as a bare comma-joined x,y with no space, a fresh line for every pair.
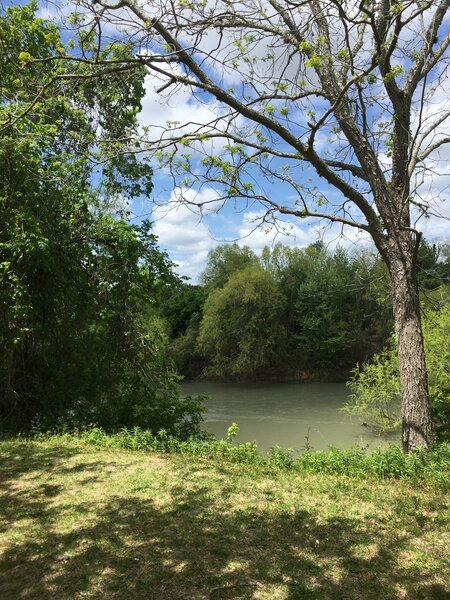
188,233
179,106
183,231
436,229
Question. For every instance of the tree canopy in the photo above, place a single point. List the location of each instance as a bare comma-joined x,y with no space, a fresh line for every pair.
224,261
344,89
241,331
80,339
292,314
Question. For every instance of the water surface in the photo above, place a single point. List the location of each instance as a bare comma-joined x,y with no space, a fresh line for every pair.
285,414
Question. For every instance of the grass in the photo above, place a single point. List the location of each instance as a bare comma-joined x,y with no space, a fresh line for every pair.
78,521
380,463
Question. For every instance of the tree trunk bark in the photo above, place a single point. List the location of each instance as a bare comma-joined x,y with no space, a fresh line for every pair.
416,419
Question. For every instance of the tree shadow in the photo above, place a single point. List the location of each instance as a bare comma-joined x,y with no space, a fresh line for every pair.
192,547
18,458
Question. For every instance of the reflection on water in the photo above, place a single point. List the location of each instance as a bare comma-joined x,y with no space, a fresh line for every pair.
284,414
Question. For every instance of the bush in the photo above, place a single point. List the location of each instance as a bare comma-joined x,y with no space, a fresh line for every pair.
376,388
281,457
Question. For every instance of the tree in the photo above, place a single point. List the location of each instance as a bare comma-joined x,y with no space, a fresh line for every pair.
240,334
182,306
326,311
335,303
340,88
376,387
79,336
433,269
224,261
51,105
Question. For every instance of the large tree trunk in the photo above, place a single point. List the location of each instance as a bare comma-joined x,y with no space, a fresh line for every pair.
416,418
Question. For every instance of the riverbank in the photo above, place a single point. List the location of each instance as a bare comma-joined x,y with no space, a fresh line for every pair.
79,521
270,376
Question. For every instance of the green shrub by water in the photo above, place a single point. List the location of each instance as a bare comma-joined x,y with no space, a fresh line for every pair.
379,463
375,387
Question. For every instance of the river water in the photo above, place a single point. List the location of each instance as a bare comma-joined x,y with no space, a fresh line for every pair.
291,415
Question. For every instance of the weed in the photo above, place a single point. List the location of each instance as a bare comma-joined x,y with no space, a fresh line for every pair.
379,463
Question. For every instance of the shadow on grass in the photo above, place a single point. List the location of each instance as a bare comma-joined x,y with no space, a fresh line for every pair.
190,548
18,458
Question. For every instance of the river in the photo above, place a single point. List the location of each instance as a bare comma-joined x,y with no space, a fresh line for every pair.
291,415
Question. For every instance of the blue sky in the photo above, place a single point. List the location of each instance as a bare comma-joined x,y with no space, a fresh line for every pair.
189,235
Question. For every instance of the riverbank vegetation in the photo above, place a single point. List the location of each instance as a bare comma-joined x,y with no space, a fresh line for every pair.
295,314
80,335
93,317
376,386
378,463
79,521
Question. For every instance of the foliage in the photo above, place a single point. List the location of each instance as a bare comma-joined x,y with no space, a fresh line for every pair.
376,391
328,311
240,332
433,265
232,431
375,387
334,310
224,261
436,328
181,306
51,105
79,336
378,463
188,358
337,304
280,457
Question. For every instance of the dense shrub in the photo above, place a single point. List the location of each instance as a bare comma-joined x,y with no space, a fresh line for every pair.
375,387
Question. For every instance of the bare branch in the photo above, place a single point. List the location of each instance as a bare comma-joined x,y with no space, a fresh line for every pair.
432,147
422,65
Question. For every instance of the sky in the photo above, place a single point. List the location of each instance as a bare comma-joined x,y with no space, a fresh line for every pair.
188,234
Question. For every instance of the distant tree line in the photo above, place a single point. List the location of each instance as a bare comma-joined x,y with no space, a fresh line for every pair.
293,313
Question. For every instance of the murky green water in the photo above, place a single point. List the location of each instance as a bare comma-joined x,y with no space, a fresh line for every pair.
286,414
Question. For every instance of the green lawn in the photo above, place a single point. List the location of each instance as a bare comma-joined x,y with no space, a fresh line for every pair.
79,522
